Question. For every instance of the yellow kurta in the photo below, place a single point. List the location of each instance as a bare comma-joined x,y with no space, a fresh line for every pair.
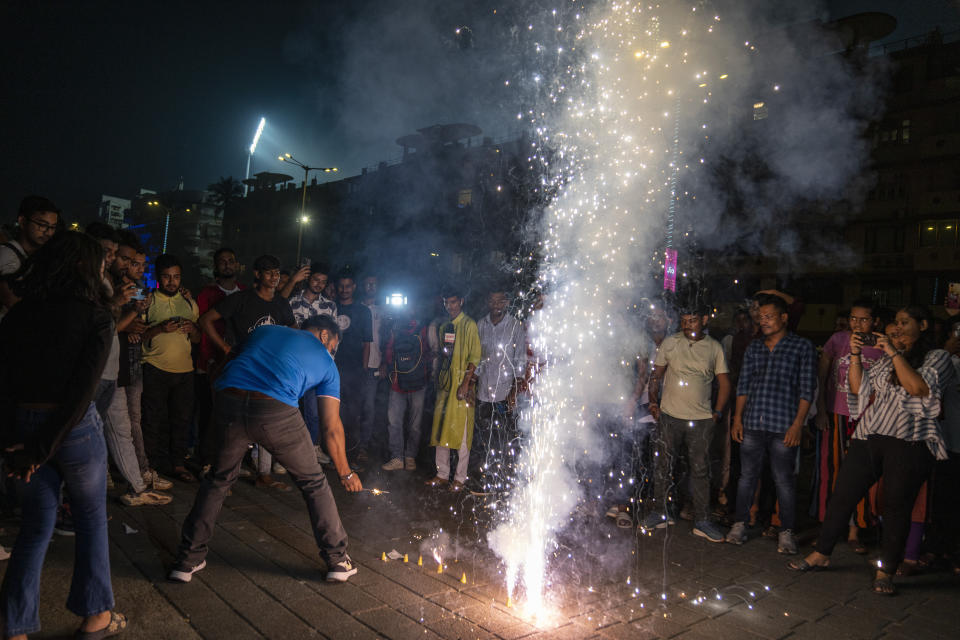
452,417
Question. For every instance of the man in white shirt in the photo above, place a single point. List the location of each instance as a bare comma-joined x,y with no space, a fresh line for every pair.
502,368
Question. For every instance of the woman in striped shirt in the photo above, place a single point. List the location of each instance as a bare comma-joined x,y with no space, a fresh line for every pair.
898,437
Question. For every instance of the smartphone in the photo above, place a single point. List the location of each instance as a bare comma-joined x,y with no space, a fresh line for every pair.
305,262
868,339
177,319
138,295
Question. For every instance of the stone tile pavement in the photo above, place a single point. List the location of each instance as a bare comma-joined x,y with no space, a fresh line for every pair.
264,579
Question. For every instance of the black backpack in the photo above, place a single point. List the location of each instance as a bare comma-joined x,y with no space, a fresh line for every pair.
409,368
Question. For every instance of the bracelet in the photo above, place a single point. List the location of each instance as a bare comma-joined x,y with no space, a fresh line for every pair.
346,477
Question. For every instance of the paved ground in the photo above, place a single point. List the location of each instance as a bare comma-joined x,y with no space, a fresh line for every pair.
264,579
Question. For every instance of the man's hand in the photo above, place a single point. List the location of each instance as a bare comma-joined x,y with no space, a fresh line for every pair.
136,326
124,294
793,435
188,327
171,325
654,410
19,464
822,421
142,305
736,430
352,484
300,274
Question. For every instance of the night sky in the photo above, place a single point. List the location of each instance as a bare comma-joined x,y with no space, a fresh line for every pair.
107,97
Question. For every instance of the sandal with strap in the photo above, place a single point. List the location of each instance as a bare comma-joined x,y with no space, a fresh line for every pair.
436,482
118,622
883,586
803,566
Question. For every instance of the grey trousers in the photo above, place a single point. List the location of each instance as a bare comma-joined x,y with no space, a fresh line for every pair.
279,429
671,435
117,431
134,392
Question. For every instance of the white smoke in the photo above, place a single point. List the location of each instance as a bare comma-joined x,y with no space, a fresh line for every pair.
649,99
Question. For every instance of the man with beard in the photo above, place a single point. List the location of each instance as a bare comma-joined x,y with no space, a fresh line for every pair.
168,370
777,384
242,313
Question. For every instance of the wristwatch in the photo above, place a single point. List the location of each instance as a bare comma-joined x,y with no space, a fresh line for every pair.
346,477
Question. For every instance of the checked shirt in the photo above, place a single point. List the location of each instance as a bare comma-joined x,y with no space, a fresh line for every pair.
775,382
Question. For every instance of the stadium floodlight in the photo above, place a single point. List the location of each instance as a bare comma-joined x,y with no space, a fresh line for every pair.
253,147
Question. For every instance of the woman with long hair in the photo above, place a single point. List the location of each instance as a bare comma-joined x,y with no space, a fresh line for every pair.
53,346
898,437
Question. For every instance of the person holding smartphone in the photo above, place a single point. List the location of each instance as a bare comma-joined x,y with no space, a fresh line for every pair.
898,437
168,390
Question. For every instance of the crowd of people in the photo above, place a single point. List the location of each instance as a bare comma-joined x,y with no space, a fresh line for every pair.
281,377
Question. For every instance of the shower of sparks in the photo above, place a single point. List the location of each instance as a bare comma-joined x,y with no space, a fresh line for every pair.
607,135
376,492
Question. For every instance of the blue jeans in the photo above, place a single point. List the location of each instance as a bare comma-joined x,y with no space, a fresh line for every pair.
405,404
754,449
80,462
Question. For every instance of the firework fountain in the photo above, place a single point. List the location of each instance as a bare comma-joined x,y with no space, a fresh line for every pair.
615,162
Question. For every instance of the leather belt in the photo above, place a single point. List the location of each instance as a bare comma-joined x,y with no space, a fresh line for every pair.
243,393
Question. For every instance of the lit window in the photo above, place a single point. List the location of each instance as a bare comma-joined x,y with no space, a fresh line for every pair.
465,198
928,233
947,233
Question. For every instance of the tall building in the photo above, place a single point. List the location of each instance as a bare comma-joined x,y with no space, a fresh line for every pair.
114,210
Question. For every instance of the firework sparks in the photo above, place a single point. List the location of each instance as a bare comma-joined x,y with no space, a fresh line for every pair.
608,136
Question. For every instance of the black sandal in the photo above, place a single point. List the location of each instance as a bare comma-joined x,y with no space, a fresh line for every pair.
884,586
118,622
803,566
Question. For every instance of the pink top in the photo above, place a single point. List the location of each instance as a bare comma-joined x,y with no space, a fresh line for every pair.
838,350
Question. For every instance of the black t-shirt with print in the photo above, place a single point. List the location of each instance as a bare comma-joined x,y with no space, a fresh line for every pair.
360,330
245,311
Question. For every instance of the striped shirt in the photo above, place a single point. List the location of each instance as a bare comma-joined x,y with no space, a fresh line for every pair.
775,382
894,412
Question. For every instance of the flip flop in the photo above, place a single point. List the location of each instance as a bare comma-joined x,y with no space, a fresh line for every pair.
803,566
118,622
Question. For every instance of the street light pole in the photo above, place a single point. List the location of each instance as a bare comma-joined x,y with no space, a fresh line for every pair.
304,218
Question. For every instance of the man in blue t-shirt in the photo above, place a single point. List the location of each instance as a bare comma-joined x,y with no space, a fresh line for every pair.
257,402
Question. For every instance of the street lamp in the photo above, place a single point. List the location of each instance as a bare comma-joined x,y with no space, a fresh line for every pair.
166,220
304,218
253,147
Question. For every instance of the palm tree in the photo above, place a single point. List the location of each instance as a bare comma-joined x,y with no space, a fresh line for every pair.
223,192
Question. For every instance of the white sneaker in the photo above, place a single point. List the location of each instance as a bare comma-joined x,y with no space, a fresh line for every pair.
342,570
396,464
182,573
410,464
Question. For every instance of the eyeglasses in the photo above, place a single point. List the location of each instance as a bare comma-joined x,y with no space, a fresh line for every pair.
43,226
